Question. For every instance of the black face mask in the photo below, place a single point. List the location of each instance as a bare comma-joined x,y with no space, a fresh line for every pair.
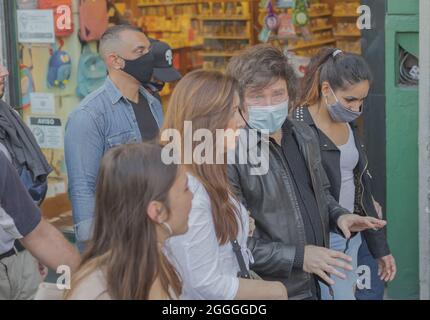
141,68
158,86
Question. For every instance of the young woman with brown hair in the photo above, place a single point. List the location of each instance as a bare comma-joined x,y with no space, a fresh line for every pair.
140,202
204,256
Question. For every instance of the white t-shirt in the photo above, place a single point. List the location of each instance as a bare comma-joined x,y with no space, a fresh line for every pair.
208,269
348,161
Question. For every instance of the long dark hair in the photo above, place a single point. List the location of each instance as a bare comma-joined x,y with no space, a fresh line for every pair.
124,243
339,70
206,99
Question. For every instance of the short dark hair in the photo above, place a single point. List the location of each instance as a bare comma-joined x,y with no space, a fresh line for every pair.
258,66
112,35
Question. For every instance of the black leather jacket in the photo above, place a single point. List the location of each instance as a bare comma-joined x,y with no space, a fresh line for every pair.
376,240
279,226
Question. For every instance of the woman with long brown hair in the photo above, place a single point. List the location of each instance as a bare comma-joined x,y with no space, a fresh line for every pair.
140,202
202,104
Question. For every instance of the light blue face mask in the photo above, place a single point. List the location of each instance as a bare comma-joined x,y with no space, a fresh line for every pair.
269,118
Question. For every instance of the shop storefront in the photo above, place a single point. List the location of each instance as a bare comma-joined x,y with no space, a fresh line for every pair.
51,50
51,60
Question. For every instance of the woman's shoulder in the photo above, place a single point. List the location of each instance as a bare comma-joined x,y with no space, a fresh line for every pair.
200,195
300,113
91,287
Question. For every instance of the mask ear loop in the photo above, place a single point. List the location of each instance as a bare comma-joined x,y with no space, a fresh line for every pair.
168,227
337,100
243,117
326,100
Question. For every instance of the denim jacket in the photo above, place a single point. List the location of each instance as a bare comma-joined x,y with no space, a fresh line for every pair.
103,120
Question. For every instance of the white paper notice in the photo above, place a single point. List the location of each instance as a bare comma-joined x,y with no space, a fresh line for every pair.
36,26
48,132
42,103
60,187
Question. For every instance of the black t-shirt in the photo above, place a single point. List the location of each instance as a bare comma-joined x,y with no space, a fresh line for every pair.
304,191
19,215
145,119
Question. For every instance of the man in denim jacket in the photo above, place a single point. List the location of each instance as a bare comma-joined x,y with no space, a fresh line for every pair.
122,111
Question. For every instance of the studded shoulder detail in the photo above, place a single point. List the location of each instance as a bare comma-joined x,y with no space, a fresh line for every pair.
299,114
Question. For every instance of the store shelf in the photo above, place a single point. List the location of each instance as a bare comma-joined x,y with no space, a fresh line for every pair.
319,15
222,18
323,28
218,54
347,35
345,15
225,37
198,46
276,37
194,67
161,4
313,44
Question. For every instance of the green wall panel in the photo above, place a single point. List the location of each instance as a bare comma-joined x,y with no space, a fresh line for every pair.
402,160
402,6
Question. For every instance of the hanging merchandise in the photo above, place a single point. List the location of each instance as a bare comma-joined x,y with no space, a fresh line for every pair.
26,76
60,68
271,20
92,72
300,13
284,4
264,4
115,15
63,19
27,4
94,19
286,26
264,35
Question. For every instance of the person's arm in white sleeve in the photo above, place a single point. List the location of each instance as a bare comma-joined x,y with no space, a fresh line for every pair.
197,254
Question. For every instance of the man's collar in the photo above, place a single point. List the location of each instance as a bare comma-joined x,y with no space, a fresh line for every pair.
115,95
112,90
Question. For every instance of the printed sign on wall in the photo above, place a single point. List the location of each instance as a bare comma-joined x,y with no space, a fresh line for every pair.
48,132
35,26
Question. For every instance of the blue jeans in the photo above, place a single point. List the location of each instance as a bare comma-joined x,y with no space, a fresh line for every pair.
377,286
343,289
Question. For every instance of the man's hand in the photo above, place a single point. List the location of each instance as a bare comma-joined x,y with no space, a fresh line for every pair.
43,270
387,268
322,261
354,223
